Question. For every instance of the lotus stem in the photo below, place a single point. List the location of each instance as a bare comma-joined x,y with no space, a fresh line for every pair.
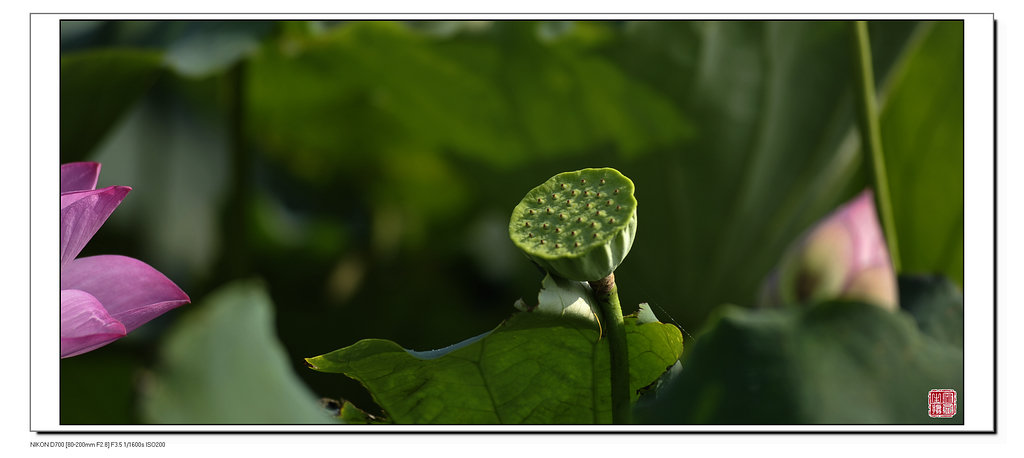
871,137
607,296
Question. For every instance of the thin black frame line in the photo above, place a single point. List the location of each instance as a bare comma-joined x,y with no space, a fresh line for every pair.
994,283
544,432
512,20
845,424
995,225
529,14
30,226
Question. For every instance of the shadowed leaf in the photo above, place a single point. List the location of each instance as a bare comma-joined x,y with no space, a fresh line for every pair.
96,88
831,363
223,364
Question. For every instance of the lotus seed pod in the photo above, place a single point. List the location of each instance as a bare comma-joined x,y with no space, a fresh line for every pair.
844,256
575,241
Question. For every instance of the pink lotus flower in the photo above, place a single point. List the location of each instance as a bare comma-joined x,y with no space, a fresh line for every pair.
844,256
102,298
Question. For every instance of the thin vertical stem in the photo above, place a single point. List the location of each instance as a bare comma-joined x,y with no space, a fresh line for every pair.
607,295
234,235
871,137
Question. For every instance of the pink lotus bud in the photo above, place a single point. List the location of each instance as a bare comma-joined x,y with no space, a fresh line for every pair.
844,256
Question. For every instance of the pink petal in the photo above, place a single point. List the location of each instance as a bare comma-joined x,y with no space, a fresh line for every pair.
81,215
84,324
79,176
130,290
862,224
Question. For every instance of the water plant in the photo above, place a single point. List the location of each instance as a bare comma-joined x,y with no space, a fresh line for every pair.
741,137
549,363
580,225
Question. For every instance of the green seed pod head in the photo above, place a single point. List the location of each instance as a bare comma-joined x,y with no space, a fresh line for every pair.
578,225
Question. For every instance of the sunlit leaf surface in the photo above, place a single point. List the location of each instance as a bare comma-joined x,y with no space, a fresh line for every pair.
923,138
534,368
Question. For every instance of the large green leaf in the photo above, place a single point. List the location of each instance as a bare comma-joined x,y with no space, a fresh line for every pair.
223,364
834,363
395,115
539,366
501,97
775,149
96,88
923,138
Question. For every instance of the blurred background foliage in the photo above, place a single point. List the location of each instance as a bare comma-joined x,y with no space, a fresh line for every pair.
365,171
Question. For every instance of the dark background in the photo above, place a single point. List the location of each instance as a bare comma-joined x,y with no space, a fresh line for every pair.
365,171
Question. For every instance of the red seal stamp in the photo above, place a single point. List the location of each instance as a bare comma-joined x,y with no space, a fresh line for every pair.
941,403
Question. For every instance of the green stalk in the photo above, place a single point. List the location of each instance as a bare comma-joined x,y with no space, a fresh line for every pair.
233,262
607,296
871,137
